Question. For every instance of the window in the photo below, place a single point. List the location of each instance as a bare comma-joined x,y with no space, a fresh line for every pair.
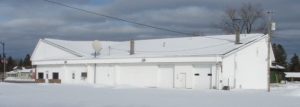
73,75
40,75
83,75
55,75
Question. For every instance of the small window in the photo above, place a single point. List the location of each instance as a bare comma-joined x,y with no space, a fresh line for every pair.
40,75
55,75
73,75
83,75
197,74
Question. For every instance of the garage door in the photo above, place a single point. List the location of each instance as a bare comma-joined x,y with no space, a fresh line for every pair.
138,75
105,75
166,76
202,77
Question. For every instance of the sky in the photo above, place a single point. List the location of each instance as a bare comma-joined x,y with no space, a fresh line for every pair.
24,22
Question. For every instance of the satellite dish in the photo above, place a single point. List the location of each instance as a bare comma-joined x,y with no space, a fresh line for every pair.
97,46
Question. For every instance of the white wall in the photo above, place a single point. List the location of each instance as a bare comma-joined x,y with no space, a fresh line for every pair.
166,76
247,69
140,75
76,70
46,51
50,69
66,72
162,75
105,74
186,69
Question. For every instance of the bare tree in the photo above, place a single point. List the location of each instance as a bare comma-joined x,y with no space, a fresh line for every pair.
249,14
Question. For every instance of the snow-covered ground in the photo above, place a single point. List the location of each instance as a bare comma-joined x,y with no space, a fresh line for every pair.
57,95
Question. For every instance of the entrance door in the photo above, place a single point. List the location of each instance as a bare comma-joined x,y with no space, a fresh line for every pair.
181,77
202,77
47,77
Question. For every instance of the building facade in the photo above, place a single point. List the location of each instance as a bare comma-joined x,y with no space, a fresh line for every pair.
212,62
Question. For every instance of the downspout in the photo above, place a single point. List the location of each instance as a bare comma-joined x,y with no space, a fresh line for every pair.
235,70
219,70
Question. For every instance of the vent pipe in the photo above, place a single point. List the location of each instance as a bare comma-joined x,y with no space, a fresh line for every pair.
237,28
237,36
131,51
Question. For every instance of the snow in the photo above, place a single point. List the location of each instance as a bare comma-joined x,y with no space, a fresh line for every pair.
183,46
277,67
18,79
292,74
62,95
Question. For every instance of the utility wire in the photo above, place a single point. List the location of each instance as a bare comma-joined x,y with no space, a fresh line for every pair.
128,21
170,51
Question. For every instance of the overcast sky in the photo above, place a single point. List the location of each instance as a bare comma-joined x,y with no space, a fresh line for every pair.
24,22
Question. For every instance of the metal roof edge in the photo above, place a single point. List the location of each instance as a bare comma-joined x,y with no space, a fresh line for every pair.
62,48
244,45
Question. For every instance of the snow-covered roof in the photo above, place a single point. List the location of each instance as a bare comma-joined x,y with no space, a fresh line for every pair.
292,74
24,70
277,67
183,46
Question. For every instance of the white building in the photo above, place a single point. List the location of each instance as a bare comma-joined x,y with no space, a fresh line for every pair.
19,74
209,62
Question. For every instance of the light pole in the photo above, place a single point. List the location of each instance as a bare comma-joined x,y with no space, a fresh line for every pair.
4,59
270,29
97,48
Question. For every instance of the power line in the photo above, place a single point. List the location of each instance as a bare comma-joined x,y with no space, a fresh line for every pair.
170,51
128,21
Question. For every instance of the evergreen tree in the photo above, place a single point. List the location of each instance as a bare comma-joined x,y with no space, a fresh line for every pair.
11,63
1,64
21,63
280,55
294,64
27,62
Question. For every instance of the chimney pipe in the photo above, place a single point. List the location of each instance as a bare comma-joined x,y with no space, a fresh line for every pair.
237,36
131,51
236,25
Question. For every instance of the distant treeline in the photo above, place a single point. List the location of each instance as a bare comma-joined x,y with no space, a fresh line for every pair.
11,63
281,59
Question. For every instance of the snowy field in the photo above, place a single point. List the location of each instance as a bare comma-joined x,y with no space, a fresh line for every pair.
55,95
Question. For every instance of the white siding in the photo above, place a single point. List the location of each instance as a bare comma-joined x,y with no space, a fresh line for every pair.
202,76
247,68
76,70
105,75
183,69
46,51
138,75
50,69
166,76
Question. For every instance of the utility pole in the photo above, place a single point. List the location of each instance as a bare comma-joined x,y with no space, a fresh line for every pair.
97,47
269,48
4,59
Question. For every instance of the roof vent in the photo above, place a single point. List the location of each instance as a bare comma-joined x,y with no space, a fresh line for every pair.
131,51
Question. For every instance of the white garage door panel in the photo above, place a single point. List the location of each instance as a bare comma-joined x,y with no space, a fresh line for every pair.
144,76
166,77
201,76
105,75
